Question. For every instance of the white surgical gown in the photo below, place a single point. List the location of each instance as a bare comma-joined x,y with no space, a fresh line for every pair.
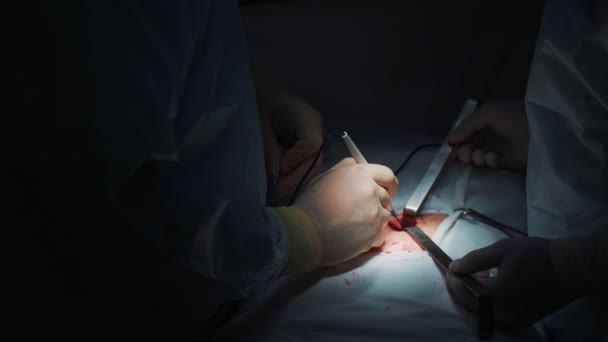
567,106
567,174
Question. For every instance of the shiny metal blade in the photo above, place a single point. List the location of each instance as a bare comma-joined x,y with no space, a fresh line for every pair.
434,171
482,296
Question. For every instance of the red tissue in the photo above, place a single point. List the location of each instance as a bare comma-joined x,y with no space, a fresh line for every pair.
401,221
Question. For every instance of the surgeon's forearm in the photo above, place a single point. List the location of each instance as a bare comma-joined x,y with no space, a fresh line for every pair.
582,263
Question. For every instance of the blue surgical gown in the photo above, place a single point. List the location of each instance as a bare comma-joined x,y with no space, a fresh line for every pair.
168,218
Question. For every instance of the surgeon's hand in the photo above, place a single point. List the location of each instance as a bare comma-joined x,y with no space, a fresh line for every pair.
343,211
292,131
496,135
526,288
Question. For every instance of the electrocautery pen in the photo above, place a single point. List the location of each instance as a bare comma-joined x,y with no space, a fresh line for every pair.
358,156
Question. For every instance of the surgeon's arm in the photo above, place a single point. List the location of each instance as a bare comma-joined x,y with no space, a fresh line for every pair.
292,131
582,263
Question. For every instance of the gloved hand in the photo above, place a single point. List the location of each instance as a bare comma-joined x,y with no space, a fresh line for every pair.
292,131
527,287
496,135
339,215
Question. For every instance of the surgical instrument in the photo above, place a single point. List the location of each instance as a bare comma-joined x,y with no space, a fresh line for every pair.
358,156
411,209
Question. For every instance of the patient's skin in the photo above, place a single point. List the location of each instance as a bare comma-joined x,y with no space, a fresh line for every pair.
395,240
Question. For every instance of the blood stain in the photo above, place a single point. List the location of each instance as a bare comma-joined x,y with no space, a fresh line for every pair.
388,252
408,221
347,282
395,224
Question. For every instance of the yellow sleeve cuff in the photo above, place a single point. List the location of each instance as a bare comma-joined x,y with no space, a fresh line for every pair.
304,240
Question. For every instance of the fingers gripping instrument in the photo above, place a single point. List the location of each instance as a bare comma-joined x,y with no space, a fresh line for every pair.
411,210
432,174
358,156
482,296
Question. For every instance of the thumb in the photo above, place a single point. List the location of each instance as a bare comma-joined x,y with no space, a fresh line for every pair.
467,128
481,259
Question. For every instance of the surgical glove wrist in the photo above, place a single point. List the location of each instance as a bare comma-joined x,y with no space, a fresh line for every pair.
304,239
350,206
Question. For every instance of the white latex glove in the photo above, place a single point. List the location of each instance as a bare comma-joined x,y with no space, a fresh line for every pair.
347,207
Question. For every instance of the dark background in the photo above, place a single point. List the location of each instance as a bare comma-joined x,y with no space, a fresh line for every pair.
401,64
398,63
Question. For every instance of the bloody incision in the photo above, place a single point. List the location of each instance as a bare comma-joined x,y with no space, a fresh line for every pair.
395,223
408,220
401,221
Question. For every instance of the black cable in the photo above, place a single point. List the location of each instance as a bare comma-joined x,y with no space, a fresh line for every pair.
507,230
331,135
411,155
295,192
467,211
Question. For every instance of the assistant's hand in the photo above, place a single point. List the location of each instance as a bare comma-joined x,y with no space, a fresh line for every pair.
348,205
527,287
496,135
292,134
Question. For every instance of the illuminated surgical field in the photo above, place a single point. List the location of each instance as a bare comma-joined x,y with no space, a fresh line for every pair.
397,240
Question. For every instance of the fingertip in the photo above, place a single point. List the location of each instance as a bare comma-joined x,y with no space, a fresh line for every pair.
464,153
385,198
384,177
392,191
454,153
392,187
479,157
455,266
316,142
466,129
454,138
458,135
492,159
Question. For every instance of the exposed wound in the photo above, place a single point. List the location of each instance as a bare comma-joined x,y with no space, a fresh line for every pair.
395,223
401,221
408,221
